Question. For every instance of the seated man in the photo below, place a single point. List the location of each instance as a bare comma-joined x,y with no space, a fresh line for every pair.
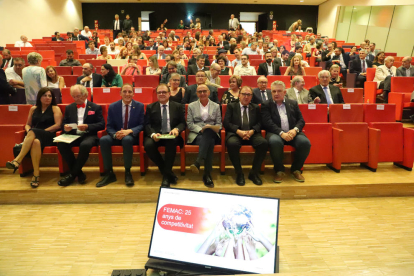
269,67
222,53
91,49
213,78
243,127
125,121
284,61
131,68
325,93
328,53
112,49
179,68
283,122
252,50
160,53
406,69
107,43
14,74
8,60
69,61
196,53
57,37
383,76
222,43
342,59
191,90
86,33
261,93
193,69
164,117
89,79
89,120
244,69
151,45
204,113
297,92
172,68
237,60
359,66
23,42
77,36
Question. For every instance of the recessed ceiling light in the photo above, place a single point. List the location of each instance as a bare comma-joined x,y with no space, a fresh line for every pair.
302,1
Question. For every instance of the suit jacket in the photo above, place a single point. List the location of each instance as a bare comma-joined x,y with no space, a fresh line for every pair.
317,91
370,57
154,47
192,69
233,119
54,39
191,94
10,65
257,96
126,24
93,118
153,120
277,61
121,24
5,89
194,121
193,61
79,37
226,45
382,72
96,80
304,96
217,80
233,25
263,70
345,57
324,57
136,118
356,66
401,71
180,70
271,119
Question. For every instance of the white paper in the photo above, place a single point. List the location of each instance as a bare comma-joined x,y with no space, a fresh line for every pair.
73,126
311,106
347,106
138,90
380,107
13,108
107,90
350,90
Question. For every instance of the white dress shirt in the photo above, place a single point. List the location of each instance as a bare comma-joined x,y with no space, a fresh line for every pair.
12,75
81,114
269,69
299,99
22,44
8,63
204,111
341,61
87,34
116,25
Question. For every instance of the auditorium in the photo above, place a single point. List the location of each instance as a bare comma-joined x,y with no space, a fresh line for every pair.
139,136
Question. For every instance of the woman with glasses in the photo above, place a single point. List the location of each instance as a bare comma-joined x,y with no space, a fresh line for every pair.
177,92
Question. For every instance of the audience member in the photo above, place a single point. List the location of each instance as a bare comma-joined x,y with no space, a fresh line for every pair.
252,50
269,67
224,70
34,77
340,58
237,60
222,53
23,42
295,68
213,78
232,95
383,76
310,46
151,44
328,53
172,68
193,69
153,68
127,24
86,33
95,38
222,43
191,90
69,61
297,92
78,36
180,68
57,37
112,49
14,74
88,78
359,66
109,77
131,68
107,43
406,69
53,79
160,52
177,91
123,53
244,69
336,79
325,93
104,53
317,52
8,61
261,93
285,58
379,59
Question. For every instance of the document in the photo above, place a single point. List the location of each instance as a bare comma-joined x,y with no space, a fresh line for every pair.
66,138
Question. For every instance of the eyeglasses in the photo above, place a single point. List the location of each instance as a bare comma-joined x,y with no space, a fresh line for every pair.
246,94
162,92
263,82
202,91
200,76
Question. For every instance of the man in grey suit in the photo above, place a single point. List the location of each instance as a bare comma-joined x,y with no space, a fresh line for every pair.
261,94
406,69
191,90
233,23
297,92
204,123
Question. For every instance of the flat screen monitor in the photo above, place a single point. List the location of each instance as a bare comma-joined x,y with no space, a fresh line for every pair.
235,233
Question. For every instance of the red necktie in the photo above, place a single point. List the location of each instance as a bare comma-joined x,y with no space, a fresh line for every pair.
126,118
80,105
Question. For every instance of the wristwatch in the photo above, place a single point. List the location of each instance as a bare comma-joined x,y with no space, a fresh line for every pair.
296,129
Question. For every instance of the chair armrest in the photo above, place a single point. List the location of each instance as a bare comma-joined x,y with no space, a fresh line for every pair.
263,133
223,137
398,100
370,92
374,136
102,133
60,132
19,136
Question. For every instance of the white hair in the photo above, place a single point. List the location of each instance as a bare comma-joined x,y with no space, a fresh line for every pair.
323,72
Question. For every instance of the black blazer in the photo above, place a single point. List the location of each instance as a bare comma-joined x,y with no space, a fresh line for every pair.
93,118
4,62
257,95
324,57
345,57
121,24
356,67
233,120
154,47
192,69
191,94
5,89
226,45
277,61
54,39
271,119
336,94
193,61
153,119
96,78
263,70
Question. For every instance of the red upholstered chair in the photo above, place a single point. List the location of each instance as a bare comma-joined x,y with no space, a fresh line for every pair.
401,89
256,62
271,79
225,80
314,113
106,95
77,71
283,70
250,80
70,80
67,98
144,94
192,79
396,144
370,87
146,81
96,62
379,113
313,71
87,57
321,137
127,79
346,113
310,81
353,95
195,148
63,70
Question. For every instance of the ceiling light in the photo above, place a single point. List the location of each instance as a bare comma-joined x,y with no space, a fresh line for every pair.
302,1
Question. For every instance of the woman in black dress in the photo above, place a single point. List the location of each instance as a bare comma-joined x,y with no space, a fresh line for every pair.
232,95
177,92
45,118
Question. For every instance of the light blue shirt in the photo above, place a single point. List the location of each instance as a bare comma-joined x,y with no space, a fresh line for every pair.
284,122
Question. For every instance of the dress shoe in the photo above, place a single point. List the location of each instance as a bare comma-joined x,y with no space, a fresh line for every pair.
195,168
278,178
255,178
81,178
412,118
67,180
208,181
165,181
128,179
107,179
297,175
240,179
173,178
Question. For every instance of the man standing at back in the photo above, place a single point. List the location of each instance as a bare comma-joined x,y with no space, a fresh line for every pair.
233,23
117,26
127,24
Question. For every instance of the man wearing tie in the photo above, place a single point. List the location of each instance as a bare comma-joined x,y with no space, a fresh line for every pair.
117,26
261,93
7,60
285,58
325,92
160,53
125,122
283,122
89,79
233,23
383,76
359,66
89,120
242,122
164,117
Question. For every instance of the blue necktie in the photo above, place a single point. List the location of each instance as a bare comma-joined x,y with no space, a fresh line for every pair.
328,97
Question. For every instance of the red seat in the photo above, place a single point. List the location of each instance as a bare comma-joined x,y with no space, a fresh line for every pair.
63,70
86,57
224,80
401,89
256,62
346,113
127,79
314,113
147,81
370,87
106,95
310,81
271,79
283,70
353,95
320,136
314,71
96,62
192,79
144,94
379,113
70,80
250,80
67,98
77,71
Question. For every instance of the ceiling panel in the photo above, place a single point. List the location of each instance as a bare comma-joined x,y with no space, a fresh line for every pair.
268,2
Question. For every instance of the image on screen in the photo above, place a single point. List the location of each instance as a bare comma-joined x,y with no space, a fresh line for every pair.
226,231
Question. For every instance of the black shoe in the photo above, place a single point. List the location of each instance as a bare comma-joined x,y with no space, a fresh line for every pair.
173,178
165,181
255,178
107,179
128,179
67,180
240,179
81,178
412,118
208,182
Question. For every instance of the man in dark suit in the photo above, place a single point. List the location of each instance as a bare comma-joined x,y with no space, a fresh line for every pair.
193,59
340,58
8,61
117,26
57,37
325,92
245,130
89,120
191,90
268,67
89,79
127,24
359,66
222,43
164,117
328,53
284,61
151,44
261,93
172,68
283,122
125,122
5,89
78,37
193,69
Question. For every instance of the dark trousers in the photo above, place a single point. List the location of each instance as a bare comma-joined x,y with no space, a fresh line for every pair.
85,145
302,145
386,86
344,73
127,142
115,33
259,143
165,165
360,80
206,142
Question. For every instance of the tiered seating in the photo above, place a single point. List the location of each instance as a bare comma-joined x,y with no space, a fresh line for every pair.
401,89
